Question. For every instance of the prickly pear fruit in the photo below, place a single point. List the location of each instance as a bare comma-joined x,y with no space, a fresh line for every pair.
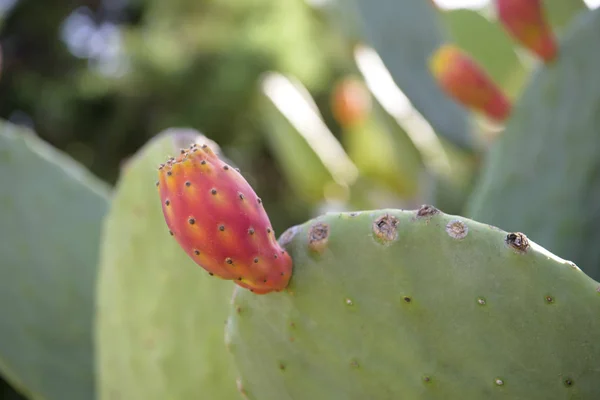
526,22
220,222
351,102
400,304
468,83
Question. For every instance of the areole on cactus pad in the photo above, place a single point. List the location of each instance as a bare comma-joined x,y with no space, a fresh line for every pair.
397,304
220,222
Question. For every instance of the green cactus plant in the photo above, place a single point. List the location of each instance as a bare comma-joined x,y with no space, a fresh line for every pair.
391,304
383,303
50,227
160,318
547,158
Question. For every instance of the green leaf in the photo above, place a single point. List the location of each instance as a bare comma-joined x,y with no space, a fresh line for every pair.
160,316
50,229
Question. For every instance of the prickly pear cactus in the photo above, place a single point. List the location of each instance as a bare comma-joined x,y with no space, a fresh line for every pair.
396,304
160,317
50,225
548,157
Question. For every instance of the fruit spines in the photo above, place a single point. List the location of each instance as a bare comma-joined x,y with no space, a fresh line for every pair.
468,83
525,21
219,221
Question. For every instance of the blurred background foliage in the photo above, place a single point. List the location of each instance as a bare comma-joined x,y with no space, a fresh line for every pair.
98,78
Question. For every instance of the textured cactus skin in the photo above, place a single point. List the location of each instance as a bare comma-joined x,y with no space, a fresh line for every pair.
50,225
553,143
220,222
465,81
526,22
159,329
441,307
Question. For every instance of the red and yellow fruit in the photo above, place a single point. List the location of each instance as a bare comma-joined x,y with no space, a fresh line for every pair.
465,81
220,222
526,22
350,102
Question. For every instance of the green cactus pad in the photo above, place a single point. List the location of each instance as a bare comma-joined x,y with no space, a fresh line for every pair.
160,316
549,156
50,225
561,12
394,304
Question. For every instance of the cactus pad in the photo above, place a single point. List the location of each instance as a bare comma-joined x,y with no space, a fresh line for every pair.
404,34
50,225
548,156
160,318
393,304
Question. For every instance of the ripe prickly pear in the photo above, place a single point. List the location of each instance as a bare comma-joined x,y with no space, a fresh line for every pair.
525,21
217,218
351,102
464,80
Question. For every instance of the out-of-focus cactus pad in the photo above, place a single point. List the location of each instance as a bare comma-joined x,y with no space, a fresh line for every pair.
405,33
50,225
161,317
543,174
